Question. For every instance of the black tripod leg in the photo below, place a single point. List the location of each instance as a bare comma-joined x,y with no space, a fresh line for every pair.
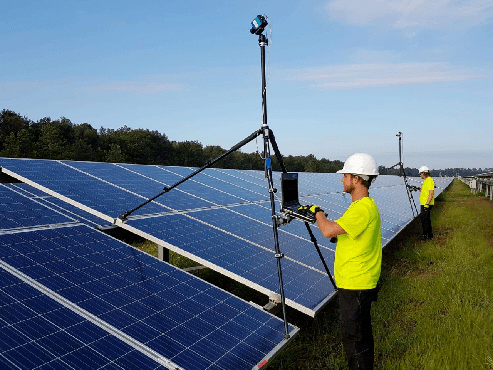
314,241
410,197
278,255
207,165
276,151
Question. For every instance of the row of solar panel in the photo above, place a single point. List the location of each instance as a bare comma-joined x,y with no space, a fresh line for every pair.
335,203
224,219
264,277
93,182
62,286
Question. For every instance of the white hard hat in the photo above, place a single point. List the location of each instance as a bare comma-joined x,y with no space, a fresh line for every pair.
360,164
423,169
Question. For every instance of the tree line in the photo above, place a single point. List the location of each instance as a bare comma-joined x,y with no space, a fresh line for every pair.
21,137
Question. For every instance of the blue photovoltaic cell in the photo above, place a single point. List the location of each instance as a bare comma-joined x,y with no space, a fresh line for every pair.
257,211
137,179
73,211
243,259
27,190
210,178
17,211
55,204
229,177
261,233
252,180
213,195
77,186
39,332
225,215
169,311
119,176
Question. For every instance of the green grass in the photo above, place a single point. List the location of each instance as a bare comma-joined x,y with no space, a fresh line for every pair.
435,309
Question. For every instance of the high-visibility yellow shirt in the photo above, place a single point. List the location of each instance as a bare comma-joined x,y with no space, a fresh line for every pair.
428,185
358,259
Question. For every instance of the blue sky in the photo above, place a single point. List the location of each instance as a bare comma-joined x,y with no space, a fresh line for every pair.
344,76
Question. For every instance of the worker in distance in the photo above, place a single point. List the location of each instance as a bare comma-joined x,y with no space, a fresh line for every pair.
358,258
427,201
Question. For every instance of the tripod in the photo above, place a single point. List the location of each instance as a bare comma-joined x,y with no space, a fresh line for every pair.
258,26
414,209
268,139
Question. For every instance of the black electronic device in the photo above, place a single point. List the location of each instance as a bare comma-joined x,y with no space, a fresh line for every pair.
259,24
290,203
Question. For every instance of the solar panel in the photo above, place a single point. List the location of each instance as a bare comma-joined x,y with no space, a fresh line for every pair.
141,304
17,211
242,260
145,187
41,332
222,218
55,204
77,188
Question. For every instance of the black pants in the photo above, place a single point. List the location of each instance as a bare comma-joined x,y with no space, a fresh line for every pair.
355,320
426,222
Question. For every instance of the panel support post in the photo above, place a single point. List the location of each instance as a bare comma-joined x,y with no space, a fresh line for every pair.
162,253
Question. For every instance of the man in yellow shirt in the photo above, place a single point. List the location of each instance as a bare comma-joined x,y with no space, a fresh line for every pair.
426,200
358,258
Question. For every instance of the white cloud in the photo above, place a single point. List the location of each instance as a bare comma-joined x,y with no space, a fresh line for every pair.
379,74
404,14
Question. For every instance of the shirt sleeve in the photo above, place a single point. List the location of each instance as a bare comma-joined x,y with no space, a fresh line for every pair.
354,221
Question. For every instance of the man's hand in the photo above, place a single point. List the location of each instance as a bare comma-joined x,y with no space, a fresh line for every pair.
310,208
427,207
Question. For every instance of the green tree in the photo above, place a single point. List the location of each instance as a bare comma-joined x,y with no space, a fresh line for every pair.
61,139
82,151
52,143
294,163
328,166
311,164
85,143
138,146
212,152
18,146
11,123
115,155
86,133
189,154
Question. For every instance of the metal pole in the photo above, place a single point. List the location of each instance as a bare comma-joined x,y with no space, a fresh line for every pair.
401,167
268,174
403,174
